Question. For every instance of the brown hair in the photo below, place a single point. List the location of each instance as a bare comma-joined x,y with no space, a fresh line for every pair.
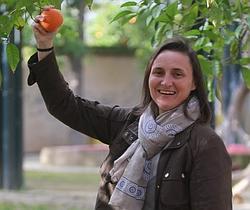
179,44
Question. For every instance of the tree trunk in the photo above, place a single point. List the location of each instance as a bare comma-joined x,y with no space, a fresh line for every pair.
76,61
77,67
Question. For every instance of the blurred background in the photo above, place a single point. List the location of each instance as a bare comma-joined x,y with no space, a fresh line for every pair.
45,164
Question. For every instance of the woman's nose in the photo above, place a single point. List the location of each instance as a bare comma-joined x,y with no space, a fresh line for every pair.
167,80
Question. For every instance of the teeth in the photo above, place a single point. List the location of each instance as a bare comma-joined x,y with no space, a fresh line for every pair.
166,92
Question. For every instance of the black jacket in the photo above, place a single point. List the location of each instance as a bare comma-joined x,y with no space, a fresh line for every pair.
194,173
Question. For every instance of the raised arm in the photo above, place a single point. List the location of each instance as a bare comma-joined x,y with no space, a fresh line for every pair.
88,117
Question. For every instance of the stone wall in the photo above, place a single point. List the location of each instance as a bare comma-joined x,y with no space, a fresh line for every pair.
112,80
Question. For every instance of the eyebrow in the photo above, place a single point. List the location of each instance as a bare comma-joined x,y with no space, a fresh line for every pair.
178,69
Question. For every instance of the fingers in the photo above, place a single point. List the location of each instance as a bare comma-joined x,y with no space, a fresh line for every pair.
36,25
38,28
39,18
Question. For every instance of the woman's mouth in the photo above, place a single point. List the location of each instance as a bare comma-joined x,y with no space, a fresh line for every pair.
167,92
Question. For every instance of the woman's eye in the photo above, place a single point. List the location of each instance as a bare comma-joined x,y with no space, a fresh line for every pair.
157,72
178,74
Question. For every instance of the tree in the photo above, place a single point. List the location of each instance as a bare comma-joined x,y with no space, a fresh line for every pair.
71,42
207,23
127,34
16,14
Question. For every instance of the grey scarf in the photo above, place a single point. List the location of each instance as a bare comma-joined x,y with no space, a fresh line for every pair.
132,170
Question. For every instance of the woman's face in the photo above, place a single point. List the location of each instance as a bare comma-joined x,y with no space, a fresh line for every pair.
170,79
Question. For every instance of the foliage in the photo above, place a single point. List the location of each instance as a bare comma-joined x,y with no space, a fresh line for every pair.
210,25
99,31
68,38
128,32
15,14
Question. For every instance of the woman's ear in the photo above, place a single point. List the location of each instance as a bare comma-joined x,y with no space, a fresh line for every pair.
193,86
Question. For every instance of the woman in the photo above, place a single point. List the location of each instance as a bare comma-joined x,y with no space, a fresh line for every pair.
163,154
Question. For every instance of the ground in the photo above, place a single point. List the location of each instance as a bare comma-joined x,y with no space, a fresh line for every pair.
63,188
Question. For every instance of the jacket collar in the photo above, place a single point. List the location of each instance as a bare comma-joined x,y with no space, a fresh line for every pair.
181,138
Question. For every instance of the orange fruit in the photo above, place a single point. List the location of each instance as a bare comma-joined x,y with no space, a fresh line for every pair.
52,19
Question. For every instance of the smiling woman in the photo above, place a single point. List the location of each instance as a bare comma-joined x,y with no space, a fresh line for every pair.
170,83
162,153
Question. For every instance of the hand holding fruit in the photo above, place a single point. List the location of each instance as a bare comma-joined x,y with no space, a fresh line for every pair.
45,26
52,19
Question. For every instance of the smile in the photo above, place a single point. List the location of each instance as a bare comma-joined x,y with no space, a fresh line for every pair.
166,92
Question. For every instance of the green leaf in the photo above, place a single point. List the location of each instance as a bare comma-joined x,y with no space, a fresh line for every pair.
145,2
234,49
246,75
149,20
218,91
160,34
244,61
216,14
166,14
56,3
206,66
23,3
187,3
217,68
226,2
153,41
163,18
156,10
121,14
210,87
157,1
126,18
238,31
12,56
6,25
191,15
89,3
238,7
141,10
192,33
129,4
19,23
206,44
199,43
172,9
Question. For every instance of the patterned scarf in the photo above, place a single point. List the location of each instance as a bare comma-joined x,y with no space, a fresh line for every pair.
132,170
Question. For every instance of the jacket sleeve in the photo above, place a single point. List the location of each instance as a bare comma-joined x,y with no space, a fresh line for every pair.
88,117
210,181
